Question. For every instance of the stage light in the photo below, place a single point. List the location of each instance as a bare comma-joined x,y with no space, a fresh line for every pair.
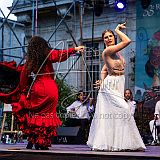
98,7
120,4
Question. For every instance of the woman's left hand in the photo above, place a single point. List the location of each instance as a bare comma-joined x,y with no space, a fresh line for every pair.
97,84
121,26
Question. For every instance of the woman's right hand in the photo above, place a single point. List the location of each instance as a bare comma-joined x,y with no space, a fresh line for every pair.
79,49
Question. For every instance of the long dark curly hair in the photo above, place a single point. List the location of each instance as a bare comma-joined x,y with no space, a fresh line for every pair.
38,49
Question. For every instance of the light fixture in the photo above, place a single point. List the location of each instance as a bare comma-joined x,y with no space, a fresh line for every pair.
98,7
120,4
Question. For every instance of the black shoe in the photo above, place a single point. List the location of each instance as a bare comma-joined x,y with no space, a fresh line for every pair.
29,145
37,146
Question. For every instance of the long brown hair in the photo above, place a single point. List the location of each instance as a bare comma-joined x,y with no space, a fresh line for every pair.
38,49
108,30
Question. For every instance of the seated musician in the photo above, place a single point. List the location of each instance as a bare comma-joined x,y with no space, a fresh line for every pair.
79,113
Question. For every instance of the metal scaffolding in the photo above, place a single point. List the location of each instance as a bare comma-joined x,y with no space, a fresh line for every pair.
35,9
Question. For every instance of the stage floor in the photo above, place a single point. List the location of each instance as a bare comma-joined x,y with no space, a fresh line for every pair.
70,152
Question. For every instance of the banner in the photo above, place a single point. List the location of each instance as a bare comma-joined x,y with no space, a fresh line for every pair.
147,64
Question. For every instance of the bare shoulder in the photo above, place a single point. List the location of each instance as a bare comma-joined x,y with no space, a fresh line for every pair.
110,50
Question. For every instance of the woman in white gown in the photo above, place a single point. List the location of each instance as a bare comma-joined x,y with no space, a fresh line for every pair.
113,127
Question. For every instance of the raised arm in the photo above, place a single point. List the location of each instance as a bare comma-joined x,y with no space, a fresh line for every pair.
62,55
125,41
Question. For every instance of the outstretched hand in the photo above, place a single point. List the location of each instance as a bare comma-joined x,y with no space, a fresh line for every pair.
80,49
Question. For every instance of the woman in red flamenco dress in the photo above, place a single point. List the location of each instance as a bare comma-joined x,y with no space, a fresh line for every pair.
36,106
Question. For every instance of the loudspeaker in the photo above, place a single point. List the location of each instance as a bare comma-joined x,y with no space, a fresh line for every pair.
67,135
67,131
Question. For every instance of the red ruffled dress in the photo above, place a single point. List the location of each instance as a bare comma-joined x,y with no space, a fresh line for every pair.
36,114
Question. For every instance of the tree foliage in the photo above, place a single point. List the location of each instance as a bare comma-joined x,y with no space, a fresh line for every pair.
67,96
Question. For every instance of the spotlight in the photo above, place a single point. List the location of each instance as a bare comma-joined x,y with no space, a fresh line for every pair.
120,4
98,7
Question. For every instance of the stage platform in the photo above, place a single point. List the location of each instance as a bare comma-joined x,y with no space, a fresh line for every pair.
73,152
